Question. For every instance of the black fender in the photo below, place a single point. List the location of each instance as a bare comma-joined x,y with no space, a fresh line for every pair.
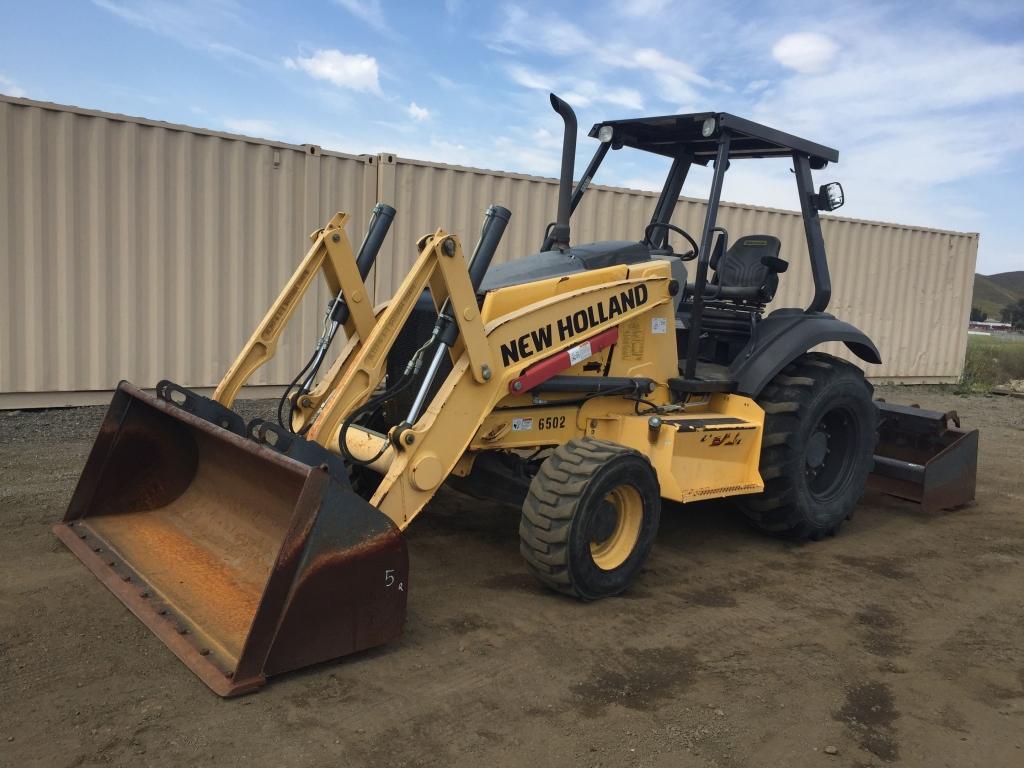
786,334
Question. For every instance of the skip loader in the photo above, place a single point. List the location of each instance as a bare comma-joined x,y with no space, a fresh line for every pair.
585,383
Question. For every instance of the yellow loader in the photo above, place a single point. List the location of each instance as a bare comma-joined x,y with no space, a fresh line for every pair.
585,383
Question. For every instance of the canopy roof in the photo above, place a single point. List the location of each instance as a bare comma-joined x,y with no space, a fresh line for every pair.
674,135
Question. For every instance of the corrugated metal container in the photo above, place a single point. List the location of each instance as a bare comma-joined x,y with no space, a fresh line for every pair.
133,249
143,250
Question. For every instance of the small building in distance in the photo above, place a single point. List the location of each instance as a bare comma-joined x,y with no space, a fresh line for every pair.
988,327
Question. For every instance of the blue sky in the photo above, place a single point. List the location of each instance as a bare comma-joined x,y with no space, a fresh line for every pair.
924,101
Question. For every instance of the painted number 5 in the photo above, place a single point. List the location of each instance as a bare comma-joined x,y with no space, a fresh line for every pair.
389,577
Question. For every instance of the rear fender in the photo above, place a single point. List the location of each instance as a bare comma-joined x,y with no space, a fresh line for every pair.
786,334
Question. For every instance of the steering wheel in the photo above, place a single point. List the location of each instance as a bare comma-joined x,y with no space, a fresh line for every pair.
665,225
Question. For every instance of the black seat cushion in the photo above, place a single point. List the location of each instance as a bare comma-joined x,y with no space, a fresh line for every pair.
742,267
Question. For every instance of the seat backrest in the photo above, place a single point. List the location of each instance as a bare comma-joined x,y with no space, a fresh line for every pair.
742,266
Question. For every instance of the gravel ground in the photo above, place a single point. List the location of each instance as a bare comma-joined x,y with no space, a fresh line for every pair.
899,642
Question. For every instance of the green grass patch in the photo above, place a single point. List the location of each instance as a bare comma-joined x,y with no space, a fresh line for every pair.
991,361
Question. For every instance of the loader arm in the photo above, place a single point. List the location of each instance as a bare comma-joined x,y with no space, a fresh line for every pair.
461,406
427,451
442,265
331,254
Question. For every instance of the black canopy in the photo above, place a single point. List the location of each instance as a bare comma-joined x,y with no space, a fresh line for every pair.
677,135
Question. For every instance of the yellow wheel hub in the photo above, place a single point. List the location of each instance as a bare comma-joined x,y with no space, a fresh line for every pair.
628,508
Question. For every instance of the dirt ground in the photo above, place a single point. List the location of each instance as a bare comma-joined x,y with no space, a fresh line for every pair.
900,642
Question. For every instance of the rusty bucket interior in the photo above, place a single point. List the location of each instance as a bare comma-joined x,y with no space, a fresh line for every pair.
925,457
243,561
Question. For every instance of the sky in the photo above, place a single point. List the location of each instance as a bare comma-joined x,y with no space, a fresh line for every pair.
924,101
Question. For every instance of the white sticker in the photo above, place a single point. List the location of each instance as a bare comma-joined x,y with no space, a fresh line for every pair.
580,353
520,425
659,325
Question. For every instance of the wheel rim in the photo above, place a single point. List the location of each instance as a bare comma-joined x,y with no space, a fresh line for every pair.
616,527
830,454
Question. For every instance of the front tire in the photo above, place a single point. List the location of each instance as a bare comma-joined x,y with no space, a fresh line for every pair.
590,518
817,451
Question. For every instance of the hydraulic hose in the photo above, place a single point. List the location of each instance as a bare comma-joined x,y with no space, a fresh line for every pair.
443,336
337,311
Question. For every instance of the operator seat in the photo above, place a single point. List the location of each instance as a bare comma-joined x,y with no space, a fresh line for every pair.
746,278
749,270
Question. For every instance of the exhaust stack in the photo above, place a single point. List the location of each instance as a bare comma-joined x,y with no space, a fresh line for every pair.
559,235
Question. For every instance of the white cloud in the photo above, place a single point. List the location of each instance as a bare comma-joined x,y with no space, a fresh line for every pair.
545,139
418,113
9,87
547,32
879,83
918,122
530,79
539,160
643,8
191,23
622,97
355,71
677,80
579,92
368,11
446,82
805,52
252,127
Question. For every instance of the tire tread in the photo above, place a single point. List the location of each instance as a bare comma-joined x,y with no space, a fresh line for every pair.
783,400
551,502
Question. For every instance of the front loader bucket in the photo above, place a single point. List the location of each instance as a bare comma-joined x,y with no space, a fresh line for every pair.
924,456
245,562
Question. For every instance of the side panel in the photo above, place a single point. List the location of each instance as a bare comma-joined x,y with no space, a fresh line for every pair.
710,451
697,456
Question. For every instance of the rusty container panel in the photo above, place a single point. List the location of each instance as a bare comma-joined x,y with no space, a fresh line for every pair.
246,563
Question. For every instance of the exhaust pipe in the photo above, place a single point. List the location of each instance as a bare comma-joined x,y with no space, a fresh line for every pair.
559,235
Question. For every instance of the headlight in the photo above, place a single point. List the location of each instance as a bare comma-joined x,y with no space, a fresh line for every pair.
605,133
708,127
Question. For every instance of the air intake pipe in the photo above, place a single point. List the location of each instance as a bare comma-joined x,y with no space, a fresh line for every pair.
559,234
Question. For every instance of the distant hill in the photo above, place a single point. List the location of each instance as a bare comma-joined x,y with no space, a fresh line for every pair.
993,292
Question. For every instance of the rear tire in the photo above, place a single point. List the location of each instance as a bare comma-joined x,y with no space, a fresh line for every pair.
820,431
590,518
